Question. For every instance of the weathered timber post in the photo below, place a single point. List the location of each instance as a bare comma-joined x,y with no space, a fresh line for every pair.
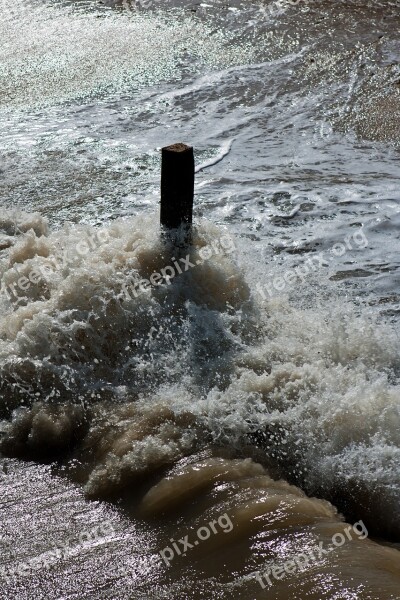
177,186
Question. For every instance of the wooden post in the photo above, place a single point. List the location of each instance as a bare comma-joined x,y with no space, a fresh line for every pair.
177,186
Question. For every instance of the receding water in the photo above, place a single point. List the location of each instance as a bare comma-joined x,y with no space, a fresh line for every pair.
221,420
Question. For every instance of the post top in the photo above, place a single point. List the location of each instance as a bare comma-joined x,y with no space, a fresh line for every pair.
179,147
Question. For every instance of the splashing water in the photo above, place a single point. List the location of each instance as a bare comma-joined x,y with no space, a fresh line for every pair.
230,378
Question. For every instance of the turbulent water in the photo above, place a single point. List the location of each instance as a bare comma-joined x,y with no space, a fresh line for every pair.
219,419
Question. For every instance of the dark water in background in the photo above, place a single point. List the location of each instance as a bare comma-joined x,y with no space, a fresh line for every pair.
276,356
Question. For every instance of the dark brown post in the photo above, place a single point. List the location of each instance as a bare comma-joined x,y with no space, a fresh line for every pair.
177,186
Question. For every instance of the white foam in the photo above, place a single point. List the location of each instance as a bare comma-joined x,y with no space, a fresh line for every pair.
316,388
